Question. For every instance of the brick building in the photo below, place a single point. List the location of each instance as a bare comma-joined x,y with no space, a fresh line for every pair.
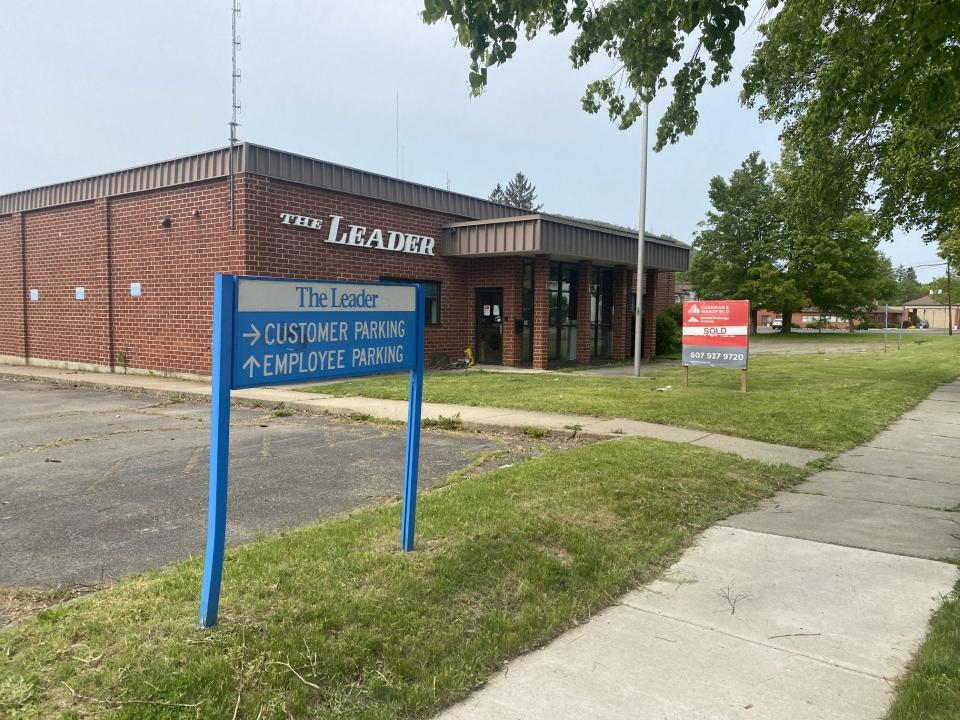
117,270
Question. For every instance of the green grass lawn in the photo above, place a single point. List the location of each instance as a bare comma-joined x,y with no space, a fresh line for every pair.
809,336
827,401
931,688
839,337
333,621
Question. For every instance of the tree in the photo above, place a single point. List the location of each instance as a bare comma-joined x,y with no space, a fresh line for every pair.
832,238
792,236
643,37
878,77
937,288
740,253
881,80
519,193
907,287
850,274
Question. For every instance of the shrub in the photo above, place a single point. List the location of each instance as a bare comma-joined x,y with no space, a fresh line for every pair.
445,423
669,323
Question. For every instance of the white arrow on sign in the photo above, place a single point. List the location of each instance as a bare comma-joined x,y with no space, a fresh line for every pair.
255,334
251,364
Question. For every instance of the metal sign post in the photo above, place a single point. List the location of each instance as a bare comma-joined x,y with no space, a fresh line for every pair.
270,331
886,322
716,334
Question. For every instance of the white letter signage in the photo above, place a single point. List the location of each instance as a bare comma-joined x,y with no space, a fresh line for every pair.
358,235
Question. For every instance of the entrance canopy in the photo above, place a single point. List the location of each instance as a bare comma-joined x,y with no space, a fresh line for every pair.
562,239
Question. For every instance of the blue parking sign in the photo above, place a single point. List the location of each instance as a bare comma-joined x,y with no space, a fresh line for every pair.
271,331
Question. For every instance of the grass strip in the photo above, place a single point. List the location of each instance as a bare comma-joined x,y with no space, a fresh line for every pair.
830,402
931,688
333,621
840,337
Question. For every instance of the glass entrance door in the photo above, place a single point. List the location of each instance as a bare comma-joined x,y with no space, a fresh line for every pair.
490,325
562,332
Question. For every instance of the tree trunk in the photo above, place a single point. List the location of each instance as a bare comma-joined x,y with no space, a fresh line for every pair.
787,321
752,322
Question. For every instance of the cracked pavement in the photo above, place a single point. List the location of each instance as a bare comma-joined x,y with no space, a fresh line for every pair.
96,485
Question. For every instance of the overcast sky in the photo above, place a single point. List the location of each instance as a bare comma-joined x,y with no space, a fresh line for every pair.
89,87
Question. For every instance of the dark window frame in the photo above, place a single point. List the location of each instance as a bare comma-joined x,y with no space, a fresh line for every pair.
425,283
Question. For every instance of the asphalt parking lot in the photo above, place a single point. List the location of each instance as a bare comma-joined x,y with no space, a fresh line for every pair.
95,485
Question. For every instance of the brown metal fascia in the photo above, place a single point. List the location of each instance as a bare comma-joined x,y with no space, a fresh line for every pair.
303,170
254,160
493,221
170,173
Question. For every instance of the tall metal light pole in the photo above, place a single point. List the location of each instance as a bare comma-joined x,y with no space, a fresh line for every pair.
641,240
949,302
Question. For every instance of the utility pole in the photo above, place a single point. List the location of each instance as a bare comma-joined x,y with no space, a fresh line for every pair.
641,240
949,302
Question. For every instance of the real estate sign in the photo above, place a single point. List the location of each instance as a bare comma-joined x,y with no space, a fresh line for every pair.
716,333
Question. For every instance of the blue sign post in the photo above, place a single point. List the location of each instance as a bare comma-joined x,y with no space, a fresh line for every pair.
271,331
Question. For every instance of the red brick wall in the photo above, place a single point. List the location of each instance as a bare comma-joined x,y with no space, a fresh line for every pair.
584,329
169,326
656,298
506,273
11,287
621,312
285,250
541,311
106,245
103,246
66,249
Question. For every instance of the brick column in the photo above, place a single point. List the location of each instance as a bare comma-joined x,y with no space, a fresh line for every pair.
621,313
541,310
105,240
512,310
649,315
21,224
584,275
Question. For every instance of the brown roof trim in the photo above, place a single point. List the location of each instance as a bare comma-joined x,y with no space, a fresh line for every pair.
550,235
926,301
255,160
169,173
561,220
290,167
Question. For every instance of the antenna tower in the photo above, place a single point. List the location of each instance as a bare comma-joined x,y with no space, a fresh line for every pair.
235,105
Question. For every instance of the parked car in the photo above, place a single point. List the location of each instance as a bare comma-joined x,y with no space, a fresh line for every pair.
777,323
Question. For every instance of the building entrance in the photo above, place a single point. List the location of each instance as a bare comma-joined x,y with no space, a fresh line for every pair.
490,325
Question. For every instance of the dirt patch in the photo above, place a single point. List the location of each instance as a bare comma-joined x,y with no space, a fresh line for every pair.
18,603
557,552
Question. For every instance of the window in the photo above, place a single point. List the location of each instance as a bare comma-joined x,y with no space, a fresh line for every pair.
601,312
431,291
562,333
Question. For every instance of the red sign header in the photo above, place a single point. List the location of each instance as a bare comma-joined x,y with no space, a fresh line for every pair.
717,323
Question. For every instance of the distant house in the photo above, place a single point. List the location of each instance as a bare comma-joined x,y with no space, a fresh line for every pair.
811,316
803,318
684,292
929,310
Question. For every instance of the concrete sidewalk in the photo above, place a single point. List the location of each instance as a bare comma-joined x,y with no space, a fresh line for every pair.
808,607
479,418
